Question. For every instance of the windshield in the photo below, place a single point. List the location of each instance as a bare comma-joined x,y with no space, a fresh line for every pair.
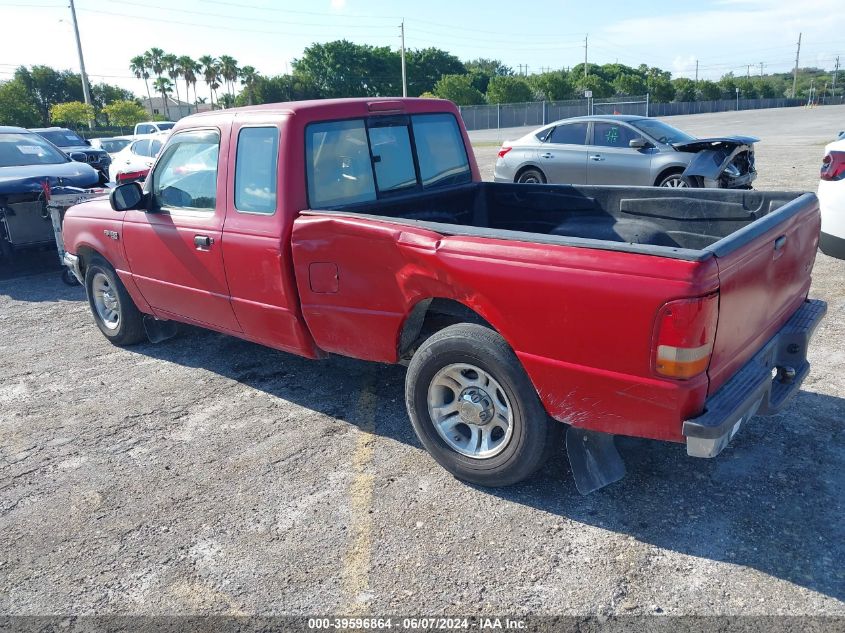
164,126
63,138
661,132
17,150
114,145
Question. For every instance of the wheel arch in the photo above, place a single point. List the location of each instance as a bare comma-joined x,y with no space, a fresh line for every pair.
429,316
667,171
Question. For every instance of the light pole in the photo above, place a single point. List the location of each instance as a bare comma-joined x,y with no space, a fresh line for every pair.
85,89
737,99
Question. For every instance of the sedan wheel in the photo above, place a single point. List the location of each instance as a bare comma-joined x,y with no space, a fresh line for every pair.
531,177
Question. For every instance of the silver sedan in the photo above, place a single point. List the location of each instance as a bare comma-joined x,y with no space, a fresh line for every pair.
625,150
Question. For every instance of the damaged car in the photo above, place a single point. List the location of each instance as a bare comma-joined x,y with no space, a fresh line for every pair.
626,150
30,169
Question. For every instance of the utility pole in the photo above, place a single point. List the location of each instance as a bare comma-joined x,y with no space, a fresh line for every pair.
761,69
696,71
404,77
586,43
748,71
85,90
795,72
835,73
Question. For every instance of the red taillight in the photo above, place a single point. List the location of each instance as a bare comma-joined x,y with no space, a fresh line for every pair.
505,149
833,166
131,176
684,336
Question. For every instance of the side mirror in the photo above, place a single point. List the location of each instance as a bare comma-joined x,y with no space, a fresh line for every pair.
79,157
87,142
638,143
126,196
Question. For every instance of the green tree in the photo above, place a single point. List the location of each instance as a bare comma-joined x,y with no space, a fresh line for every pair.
509,89
708,90
600,88
124,113
629,84
727,87
481,70
659,84
46,87
765,89
211,74
684,89
229,73
277,90
426,66
170,64
163,86
73,113
552,86
154,58
458,89
747,89
16,105
138,66
345,69
249,76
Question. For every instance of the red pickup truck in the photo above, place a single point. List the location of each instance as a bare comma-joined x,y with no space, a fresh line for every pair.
361,227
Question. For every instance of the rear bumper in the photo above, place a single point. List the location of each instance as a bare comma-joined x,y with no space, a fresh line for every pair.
832,245
754,389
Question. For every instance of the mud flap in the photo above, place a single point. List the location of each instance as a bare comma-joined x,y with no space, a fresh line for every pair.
159,330
594,460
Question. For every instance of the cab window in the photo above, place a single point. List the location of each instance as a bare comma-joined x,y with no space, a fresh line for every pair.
186,174
612,134
256,170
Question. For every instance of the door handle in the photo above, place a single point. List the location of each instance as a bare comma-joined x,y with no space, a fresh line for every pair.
202,242
596,157
547,155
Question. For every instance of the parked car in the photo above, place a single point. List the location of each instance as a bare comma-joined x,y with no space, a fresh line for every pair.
361,227
77,148
832,200
29,166
842,135
133,162
112,145
626,150
153,127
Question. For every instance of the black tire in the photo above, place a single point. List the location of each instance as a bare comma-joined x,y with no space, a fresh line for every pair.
531,176
666,180
69,278
534,435
129,328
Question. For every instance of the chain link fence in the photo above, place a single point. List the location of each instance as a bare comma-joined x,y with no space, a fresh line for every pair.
537,113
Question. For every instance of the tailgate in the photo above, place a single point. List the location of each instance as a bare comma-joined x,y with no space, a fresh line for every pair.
764,276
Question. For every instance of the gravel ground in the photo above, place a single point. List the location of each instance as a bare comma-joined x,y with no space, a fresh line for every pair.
210,475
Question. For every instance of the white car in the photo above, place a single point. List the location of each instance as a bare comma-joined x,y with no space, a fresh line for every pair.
134,161
153,127
832,200
112,144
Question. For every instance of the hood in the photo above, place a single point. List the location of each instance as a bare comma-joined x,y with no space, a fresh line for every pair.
30,178
716,142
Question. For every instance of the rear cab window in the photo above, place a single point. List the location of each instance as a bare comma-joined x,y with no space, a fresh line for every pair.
361,160
256,170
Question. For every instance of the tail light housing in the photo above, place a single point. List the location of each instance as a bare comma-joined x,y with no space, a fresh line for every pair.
505,149
833,166
684,336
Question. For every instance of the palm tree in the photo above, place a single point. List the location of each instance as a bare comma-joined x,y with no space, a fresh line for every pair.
248,79
170,63
211,74
154,56
187,69
229,71
138,65
163,86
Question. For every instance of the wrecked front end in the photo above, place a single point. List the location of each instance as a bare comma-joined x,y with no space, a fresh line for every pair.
724,163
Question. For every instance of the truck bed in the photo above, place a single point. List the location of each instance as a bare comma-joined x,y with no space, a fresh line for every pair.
690,224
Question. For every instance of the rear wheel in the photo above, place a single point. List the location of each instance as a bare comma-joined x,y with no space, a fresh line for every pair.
474,408
531,176
113,309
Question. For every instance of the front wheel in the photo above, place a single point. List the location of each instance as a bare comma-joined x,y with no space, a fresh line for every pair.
674,181
114,312
474,408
